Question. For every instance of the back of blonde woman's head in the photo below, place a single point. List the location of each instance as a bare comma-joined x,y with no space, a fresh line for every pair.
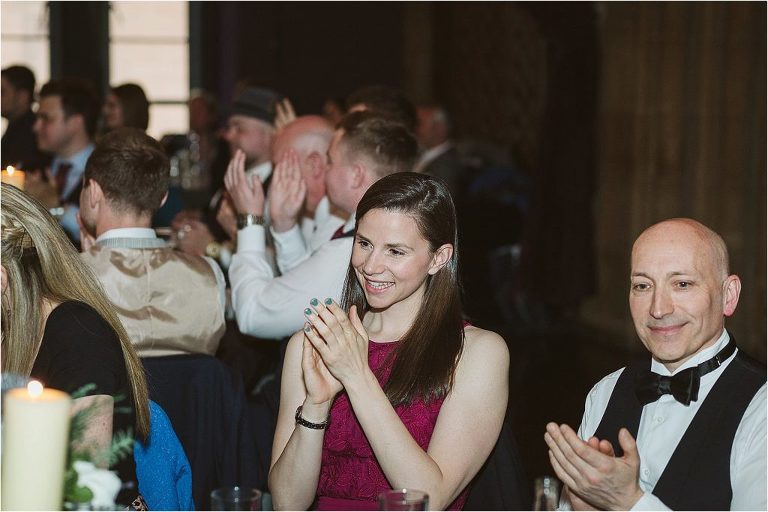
42,264
28,234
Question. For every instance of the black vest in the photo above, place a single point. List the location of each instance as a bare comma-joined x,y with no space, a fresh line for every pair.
697,476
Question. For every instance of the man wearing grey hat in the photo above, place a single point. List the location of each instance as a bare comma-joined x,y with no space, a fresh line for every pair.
251,128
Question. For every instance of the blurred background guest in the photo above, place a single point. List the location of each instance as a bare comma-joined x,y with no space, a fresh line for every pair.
250,128
19,146
65,126
198,160
126,106
439,156
366,147
308,138
212,148
59,327
386,100
333,110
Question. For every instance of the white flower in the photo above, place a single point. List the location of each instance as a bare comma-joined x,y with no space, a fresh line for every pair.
104,484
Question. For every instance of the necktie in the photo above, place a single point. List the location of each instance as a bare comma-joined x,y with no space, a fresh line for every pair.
61,176
340,233
684,385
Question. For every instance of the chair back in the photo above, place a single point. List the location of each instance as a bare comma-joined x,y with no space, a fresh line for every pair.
501,483
206,404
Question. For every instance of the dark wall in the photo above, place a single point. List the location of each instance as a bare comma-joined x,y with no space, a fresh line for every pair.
524,76
309,51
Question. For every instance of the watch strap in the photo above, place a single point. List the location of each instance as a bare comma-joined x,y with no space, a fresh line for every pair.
249,219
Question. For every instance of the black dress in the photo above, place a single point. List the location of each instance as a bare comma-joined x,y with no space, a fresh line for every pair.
79,347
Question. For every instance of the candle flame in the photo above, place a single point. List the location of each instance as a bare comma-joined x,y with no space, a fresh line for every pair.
10,169
34,388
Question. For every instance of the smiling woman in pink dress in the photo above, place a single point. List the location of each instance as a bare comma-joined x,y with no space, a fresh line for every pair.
392,389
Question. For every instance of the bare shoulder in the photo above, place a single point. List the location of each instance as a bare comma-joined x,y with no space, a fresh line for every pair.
484,347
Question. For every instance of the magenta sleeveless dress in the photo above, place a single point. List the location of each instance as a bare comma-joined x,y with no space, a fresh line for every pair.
350,476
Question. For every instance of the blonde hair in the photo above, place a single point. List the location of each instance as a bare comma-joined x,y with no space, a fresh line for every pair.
42,263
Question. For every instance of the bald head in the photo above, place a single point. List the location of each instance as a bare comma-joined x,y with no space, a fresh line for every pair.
680,289
683,232
306,134
309,137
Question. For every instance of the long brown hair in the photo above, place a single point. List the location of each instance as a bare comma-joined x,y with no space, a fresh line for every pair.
135,105
43,264
426,357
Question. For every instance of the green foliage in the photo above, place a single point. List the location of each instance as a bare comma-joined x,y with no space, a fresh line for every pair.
121,447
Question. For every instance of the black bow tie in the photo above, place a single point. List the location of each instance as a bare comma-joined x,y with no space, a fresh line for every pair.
684,385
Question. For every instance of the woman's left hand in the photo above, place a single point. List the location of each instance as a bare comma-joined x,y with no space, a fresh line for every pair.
341,341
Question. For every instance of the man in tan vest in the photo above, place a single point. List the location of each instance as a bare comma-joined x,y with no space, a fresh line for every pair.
169,302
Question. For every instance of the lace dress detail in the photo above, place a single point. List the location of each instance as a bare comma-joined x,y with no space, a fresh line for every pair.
350,476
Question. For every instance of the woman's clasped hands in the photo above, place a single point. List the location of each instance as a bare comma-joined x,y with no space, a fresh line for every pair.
335,351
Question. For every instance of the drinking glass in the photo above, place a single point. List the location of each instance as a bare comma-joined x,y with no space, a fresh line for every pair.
546,493
236,498
403,499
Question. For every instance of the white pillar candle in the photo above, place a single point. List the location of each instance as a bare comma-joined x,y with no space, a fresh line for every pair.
15,177
34,452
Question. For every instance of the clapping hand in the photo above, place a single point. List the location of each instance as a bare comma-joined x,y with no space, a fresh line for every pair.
591,470
340,340
285,114
247,193
193,238
226,217
321,385
577,503
287,192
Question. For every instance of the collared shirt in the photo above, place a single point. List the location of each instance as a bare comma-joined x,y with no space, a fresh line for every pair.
75,176
320,228
663,423
68,220
149,234
430,155
127,233
267,306
290,250
263,171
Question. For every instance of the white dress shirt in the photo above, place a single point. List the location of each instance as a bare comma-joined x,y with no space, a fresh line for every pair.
663,423
273,307
290,250
321,227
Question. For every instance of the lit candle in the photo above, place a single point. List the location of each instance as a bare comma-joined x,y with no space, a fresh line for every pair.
13,176
35,437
